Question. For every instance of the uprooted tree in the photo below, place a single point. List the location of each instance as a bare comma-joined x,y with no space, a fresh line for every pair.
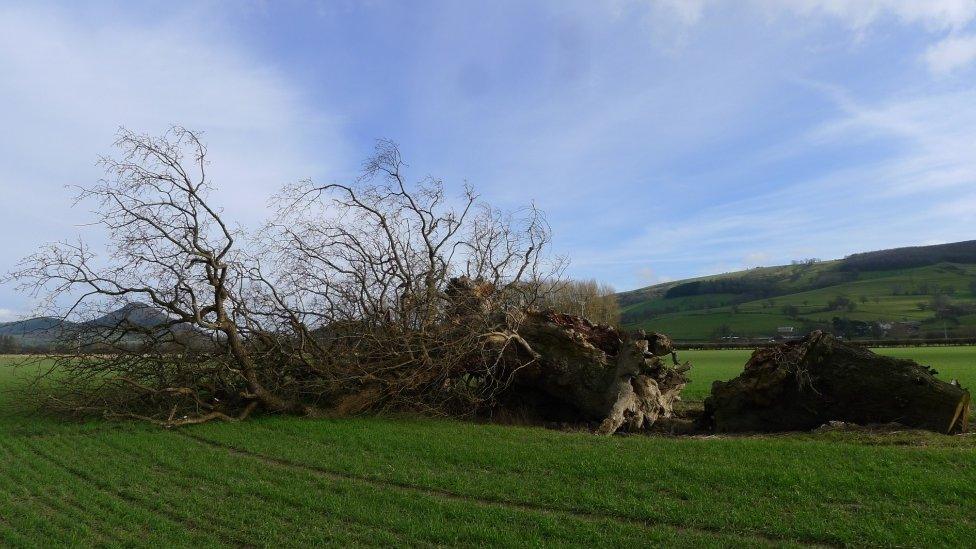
804,384
592,372
379,294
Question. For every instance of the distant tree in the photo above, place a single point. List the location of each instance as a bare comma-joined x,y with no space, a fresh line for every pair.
941,305
840,302
863,299
805,262
722,332
9,345
735,308
840,326
791,311
590,299
902,258
850,328
972,287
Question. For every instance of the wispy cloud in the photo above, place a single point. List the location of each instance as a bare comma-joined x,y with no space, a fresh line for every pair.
859,14
748,139
915,189
68,86
951,54
935,134
664,138
69,82
8,315
854,14
687,12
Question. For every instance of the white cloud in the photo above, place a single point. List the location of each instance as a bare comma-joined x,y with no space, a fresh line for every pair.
952,53
67,87
936,133
8,315
858,14
918,191
855,14
67,84
687,12
756,259
648,276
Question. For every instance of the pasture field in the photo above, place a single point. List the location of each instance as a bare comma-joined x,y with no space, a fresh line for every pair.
897,295
278,481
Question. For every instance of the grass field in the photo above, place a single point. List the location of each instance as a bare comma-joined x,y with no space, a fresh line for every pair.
383,481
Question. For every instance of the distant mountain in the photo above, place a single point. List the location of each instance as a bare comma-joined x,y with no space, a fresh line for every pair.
138,314
908,292
43,331
32,326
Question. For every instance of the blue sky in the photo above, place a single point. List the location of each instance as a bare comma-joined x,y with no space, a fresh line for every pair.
665,139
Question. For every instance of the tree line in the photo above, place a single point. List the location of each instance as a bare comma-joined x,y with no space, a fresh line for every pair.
916,256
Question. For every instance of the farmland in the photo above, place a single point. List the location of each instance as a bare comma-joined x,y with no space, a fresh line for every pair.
806,297
393,480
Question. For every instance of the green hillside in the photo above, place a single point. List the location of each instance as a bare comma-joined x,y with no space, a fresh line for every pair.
908,292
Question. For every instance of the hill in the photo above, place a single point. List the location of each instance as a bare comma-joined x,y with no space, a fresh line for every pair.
41,332
925,291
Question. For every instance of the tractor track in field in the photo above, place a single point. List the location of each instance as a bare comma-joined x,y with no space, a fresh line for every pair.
175,479
188,522
190,474
54,506
590,516
8,529
45,506
69,434
101,534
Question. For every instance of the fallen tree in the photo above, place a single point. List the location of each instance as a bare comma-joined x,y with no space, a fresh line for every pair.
343,288
375,295
804,384
382,294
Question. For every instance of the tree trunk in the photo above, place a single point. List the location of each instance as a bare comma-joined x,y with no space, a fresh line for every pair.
804,384
594,373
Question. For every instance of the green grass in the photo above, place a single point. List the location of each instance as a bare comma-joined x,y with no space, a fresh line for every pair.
278,481
709,366
700,325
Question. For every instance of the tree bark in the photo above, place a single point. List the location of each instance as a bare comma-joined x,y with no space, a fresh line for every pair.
804,384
